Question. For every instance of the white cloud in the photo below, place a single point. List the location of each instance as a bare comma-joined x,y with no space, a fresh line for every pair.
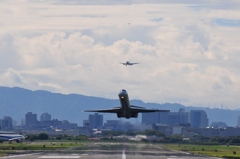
184,55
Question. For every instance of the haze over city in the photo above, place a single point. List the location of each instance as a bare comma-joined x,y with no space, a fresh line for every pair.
188,52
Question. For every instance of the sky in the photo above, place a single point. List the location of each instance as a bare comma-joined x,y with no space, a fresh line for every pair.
189,52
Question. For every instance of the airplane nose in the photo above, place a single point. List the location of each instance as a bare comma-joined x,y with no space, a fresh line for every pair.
123,91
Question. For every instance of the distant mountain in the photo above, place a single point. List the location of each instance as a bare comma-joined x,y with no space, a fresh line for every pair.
16,102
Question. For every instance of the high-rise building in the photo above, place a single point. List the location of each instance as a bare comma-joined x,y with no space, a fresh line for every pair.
150,118
31,119
6,123
163,117
183,116
45,117
95,120
167,118
198,119
238,122
173,118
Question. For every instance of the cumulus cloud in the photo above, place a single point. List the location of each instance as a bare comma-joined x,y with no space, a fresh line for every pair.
186,55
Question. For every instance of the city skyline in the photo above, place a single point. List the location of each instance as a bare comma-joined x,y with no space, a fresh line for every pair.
196,118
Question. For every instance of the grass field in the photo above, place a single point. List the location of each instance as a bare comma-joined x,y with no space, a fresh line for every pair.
213,150
9,148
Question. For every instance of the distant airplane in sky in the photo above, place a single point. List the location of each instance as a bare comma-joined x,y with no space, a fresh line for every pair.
10,136
126,110
128,63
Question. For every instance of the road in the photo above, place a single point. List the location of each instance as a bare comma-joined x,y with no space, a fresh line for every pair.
112,151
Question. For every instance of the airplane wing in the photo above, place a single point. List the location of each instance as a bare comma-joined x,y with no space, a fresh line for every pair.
12,139
137,109
112,110
134,63
122,63
16,139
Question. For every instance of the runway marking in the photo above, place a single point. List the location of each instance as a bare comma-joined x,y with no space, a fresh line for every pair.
123,155
175,157
19,155
187,153
59,157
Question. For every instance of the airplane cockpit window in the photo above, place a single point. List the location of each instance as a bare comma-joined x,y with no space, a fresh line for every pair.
123,90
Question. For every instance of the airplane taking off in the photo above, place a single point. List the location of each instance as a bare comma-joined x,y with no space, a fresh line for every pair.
10,136
126,110
128,63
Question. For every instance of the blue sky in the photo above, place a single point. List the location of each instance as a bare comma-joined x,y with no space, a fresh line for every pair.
228,22
189,51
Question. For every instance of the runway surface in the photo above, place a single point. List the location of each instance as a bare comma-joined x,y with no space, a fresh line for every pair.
111,151
99,156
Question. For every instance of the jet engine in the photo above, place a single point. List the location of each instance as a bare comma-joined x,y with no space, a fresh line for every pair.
134,115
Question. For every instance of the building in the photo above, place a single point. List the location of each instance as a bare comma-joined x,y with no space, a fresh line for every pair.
166,129
238,122
167,118
31,119
177,130
150,118
211,132
198,119
95,121
112,124
45,117
6,123
155,117
163,117
85,123
183,116
218,125
173,119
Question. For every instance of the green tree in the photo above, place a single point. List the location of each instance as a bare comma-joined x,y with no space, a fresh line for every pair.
59,137
153,132
32,137
81,137
43,136
175,139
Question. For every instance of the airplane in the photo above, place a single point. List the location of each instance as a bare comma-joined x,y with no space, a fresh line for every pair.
126,110
128,63
10,136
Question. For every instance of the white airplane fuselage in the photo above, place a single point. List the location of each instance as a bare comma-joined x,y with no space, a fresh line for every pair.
12,137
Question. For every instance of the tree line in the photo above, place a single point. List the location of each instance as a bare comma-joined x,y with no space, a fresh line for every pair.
45,136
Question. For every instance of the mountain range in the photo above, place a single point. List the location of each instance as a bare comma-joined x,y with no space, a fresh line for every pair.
16,102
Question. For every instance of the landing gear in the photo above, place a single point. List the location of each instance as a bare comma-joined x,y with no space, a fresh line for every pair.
119,115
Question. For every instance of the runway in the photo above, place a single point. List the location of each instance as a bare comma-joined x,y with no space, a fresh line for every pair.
111,151
99,156
102,156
